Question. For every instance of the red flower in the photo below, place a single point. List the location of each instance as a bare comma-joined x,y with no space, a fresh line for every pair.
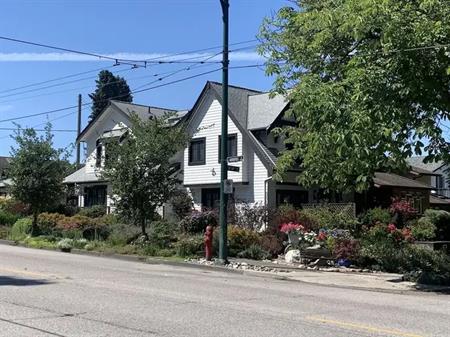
291,227
391,228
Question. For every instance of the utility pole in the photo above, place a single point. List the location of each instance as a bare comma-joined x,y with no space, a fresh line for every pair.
78,130
223,246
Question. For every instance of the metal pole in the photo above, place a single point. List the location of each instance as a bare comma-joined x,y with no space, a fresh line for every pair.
78,130
223,247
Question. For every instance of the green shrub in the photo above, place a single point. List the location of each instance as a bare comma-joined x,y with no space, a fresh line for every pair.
122,234
254,252
96,211
197,221
189,245
376,215
287,213
20,229
14,207
182,204
441,219
40,242
423,229
48,222
7,218
162,233
4,232
239,239
328,219
65,244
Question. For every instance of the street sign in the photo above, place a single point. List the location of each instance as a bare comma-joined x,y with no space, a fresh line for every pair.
233,168
228,186
235,159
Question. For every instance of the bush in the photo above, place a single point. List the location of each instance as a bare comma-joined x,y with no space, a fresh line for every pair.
7,218
162,233
376,215
239,239
288,213
65,244
423,229
40,242
250,216
187,246
346,249
441,219
197,221
182,204
254,252
96,211
272,243
122,234
14,207
328,219
4,232
20,229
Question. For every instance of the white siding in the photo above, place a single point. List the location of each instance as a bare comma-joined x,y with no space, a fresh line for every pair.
207,123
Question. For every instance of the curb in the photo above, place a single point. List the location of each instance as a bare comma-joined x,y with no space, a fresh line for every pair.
419,289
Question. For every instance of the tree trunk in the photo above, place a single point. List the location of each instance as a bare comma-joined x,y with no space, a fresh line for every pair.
143,229
34,225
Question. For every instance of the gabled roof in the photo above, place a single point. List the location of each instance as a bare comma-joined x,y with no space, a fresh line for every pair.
263,110
418,162
4,162
394,180
83,176
143,111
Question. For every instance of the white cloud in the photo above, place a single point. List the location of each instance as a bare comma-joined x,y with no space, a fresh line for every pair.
69,57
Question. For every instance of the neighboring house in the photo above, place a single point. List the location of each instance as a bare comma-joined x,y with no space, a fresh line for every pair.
433,173
5,181
87,186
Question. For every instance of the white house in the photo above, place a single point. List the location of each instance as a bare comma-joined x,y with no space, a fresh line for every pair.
87,186
252,116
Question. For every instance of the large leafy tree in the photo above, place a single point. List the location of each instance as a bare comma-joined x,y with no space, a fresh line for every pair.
142,174
108,87
369,84
37,170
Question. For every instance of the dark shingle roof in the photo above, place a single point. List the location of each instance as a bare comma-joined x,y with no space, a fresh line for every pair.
419,163
394,180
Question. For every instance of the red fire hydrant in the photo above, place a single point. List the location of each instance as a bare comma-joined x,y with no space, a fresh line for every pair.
208,242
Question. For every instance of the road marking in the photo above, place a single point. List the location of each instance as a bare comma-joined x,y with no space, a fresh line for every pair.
357,326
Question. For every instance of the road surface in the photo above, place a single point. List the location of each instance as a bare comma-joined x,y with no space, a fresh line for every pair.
44,293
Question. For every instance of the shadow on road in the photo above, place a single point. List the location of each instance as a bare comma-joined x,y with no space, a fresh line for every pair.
20,282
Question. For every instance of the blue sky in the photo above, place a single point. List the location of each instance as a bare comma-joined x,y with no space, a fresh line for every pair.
136,29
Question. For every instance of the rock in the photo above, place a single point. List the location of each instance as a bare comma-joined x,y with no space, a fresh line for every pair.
292,256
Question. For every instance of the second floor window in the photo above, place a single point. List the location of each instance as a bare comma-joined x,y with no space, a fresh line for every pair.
232,146
98,153
197,151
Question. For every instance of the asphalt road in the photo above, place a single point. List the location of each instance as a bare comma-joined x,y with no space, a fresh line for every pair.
45,293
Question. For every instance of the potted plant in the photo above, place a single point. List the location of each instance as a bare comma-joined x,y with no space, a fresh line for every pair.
65,245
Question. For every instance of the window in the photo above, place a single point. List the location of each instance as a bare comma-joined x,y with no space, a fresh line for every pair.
98,153
232,145
197,151
291,197
95,195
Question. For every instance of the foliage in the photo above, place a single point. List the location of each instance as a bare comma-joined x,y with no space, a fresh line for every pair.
402,210
189,245
376,215
346,249
108,87
251,216
197,221
39,242
288,213
441,219
20,229
96,211
122,234
14,207
142,176
65,244
239,239
326,218
37,170
423,229
360,93
182,204
254,252
7,218
272,243
163,233
4,232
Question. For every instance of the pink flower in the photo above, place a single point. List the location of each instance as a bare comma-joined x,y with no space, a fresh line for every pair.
291,227
391,228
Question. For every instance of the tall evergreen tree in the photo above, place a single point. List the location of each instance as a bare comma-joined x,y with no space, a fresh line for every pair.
108,87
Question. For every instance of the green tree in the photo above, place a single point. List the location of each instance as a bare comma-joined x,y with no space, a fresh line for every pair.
142,175
369,84
108,87
37,170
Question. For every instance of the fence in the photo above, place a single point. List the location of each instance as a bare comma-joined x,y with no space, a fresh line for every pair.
348,208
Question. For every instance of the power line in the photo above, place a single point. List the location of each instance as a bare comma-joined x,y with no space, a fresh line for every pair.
53,130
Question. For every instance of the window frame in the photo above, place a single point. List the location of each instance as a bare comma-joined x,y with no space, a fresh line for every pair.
235,135
198,162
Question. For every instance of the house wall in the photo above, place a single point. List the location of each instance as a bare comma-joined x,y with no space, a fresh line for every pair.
207,123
